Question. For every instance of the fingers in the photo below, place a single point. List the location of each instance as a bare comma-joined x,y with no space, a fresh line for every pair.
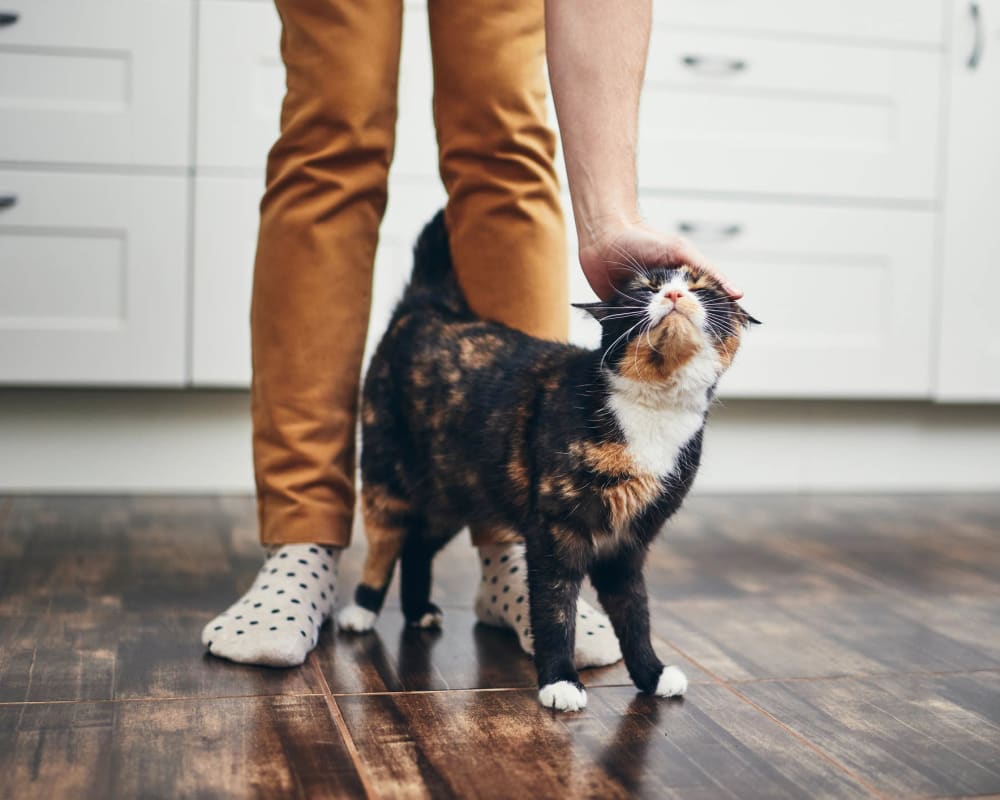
687,253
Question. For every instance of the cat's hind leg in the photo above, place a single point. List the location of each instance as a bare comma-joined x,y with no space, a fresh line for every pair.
388,521
415,582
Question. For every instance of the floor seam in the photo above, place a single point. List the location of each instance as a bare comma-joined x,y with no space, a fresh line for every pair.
171,699
341,725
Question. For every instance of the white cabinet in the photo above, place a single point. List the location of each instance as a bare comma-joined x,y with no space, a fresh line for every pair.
92,279
225,238
844,294
96,82
226,221
800,144
969,290
905,21
760,114
241,83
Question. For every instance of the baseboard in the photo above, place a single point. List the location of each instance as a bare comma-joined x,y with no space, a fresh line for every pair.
199,442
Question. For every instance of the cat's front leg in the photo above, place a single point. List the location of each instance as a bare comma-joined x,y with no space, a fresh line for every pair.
621,589
553,588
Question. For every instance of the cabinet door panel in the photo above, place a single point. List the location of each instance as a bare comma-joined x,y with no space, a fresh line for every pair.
225,239
92,279
969,353
241,84
725,112
226,221
844,294
96,82
911,21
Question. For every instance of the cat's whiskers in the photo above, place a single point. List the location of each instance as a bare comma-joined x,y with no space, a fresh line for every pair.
649,340
631,259
630,267
615,342
626,296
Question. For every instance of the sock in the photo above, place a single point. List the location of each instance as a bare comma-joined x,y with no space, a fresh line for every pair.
502,601
276,623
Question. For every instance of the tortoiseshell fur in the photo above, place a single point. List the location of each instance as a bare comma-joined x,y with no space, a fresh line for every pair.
471,422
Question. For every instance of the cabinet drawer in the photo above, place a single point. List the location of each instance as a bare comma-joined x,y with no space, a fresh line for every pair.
910,21
96,81
724,112
226,222
241,84
92,279
844,294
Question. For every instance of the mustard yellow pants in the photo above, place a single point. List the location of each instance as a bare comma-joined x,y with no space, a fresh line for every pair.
325,197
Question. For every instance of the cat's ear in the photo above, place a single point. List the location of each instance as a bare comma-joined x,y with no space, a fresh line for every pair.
747,318
597,310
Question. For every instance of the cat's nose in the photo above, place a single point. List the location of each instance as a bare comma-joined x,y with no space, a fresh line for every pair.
674,295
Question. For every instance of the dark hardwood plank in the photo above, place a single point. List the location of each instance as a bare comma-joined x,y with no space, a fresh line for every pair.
760,546
463,655
799,637
502,744
907,735
234,747
105,656
104,598
139,554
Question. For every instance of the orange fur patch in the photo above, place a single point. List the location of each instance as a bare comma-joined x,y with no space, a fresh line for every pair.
670,345
727,350
384,533
629,497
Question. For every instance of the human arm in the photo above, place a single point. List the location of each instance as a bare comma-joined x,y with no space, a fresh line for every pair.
597,60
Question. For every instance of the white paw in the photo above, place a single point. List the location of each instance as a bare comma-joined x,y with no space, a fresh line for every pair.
432,619
562,696
357,619
672,683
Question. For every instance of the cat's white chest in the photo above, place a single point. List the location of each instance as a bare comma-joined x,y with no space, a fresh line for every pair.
656,428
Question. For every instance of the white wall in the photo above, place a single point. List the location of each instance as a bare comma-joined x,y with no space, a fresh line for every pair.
199,441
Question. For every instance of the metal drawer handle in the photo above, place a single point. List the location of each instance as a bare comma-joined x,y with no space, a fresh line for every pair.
7,201
977,43
714,65
710,231
8,18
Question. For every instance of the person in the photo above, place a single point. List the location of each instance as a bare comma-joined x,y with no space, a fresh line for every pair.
325,196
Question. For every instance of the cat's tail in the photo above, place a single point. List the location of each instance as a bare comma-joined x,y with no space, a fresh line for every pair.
433,280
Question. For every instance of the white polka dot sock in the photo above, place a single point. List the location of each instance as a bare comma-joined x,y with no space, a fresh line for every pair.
276,623
502,601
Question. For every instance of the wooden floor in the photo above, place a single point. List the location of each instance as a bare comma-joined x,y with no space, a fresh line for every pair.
837,647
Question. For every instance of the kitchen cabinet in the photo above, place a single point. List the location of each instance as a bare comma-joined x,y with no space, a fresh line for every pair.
968,288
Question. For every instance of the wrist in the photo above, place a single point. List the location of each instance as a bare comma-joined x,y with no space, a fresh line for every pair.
598,227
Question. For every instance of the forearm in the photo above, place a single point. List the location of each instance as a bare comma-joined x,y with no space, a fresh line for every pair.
597,59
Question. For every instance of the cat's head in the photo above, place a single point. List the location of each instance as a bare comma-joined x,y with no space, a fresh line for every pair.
667,319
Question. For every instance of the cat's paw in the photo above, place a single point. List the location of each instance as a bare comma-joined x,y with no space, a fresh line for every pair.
672,683
563,696
357,619
431,619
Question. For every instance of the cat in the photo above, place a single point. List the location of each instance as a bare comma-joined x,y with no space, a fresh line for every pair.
585,453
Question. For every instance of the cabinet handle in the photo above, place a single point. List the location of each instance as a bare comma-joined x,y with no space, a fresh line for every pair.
710,231
8,18
977,42
7,201
714,65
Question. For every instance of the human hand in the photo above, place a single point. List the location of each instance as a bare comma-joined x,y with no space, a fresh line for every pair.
610,256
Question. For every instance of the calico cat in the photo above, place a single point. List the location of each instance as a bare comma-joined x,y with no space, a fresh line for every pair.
584,453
